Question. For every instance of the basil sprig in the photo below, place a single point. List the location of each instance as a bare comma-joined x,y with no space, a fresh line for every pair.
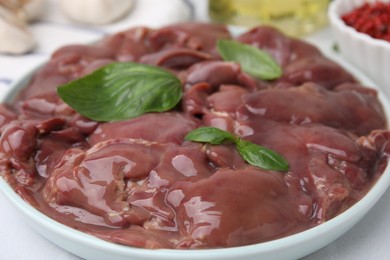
253,154
253,61
120,91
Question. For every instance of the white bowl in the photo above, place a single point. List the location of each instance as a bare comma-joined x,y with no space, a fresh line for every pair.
368,54
291,247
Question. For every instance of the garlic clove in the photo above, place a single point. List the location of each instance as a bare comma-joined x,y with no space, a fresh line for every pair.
26,10
15,38
33,9
95,11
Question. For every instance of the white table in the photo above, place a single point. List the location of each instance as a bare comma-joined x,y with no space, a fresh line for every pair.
369,239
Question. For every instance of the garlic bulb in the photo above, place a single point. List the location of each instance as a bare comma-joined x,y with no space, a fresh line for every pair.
95,11
15,38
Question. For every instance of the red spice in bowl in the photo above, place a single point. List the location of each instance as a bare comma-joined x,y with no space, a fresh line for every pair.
372,19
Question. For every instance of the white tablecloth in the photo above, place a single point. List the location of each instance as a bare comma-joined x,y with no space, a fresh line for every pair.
367,240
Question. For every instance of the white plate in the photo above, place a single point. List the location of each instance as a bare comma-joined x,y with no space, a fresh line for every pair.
291,247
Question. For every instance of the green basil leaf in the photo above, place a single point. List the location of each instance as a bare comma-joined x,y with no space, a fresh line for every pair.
210,135
121,91
253,154
261,157
253,61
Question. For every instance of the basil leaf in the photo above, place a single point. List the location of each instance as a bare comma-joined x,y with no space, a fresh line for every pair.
210,135
121,91
253,61
261,157
253,154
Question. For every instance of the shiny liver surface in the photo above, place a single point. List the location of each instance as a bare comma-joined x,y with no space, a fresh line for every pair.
138,183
